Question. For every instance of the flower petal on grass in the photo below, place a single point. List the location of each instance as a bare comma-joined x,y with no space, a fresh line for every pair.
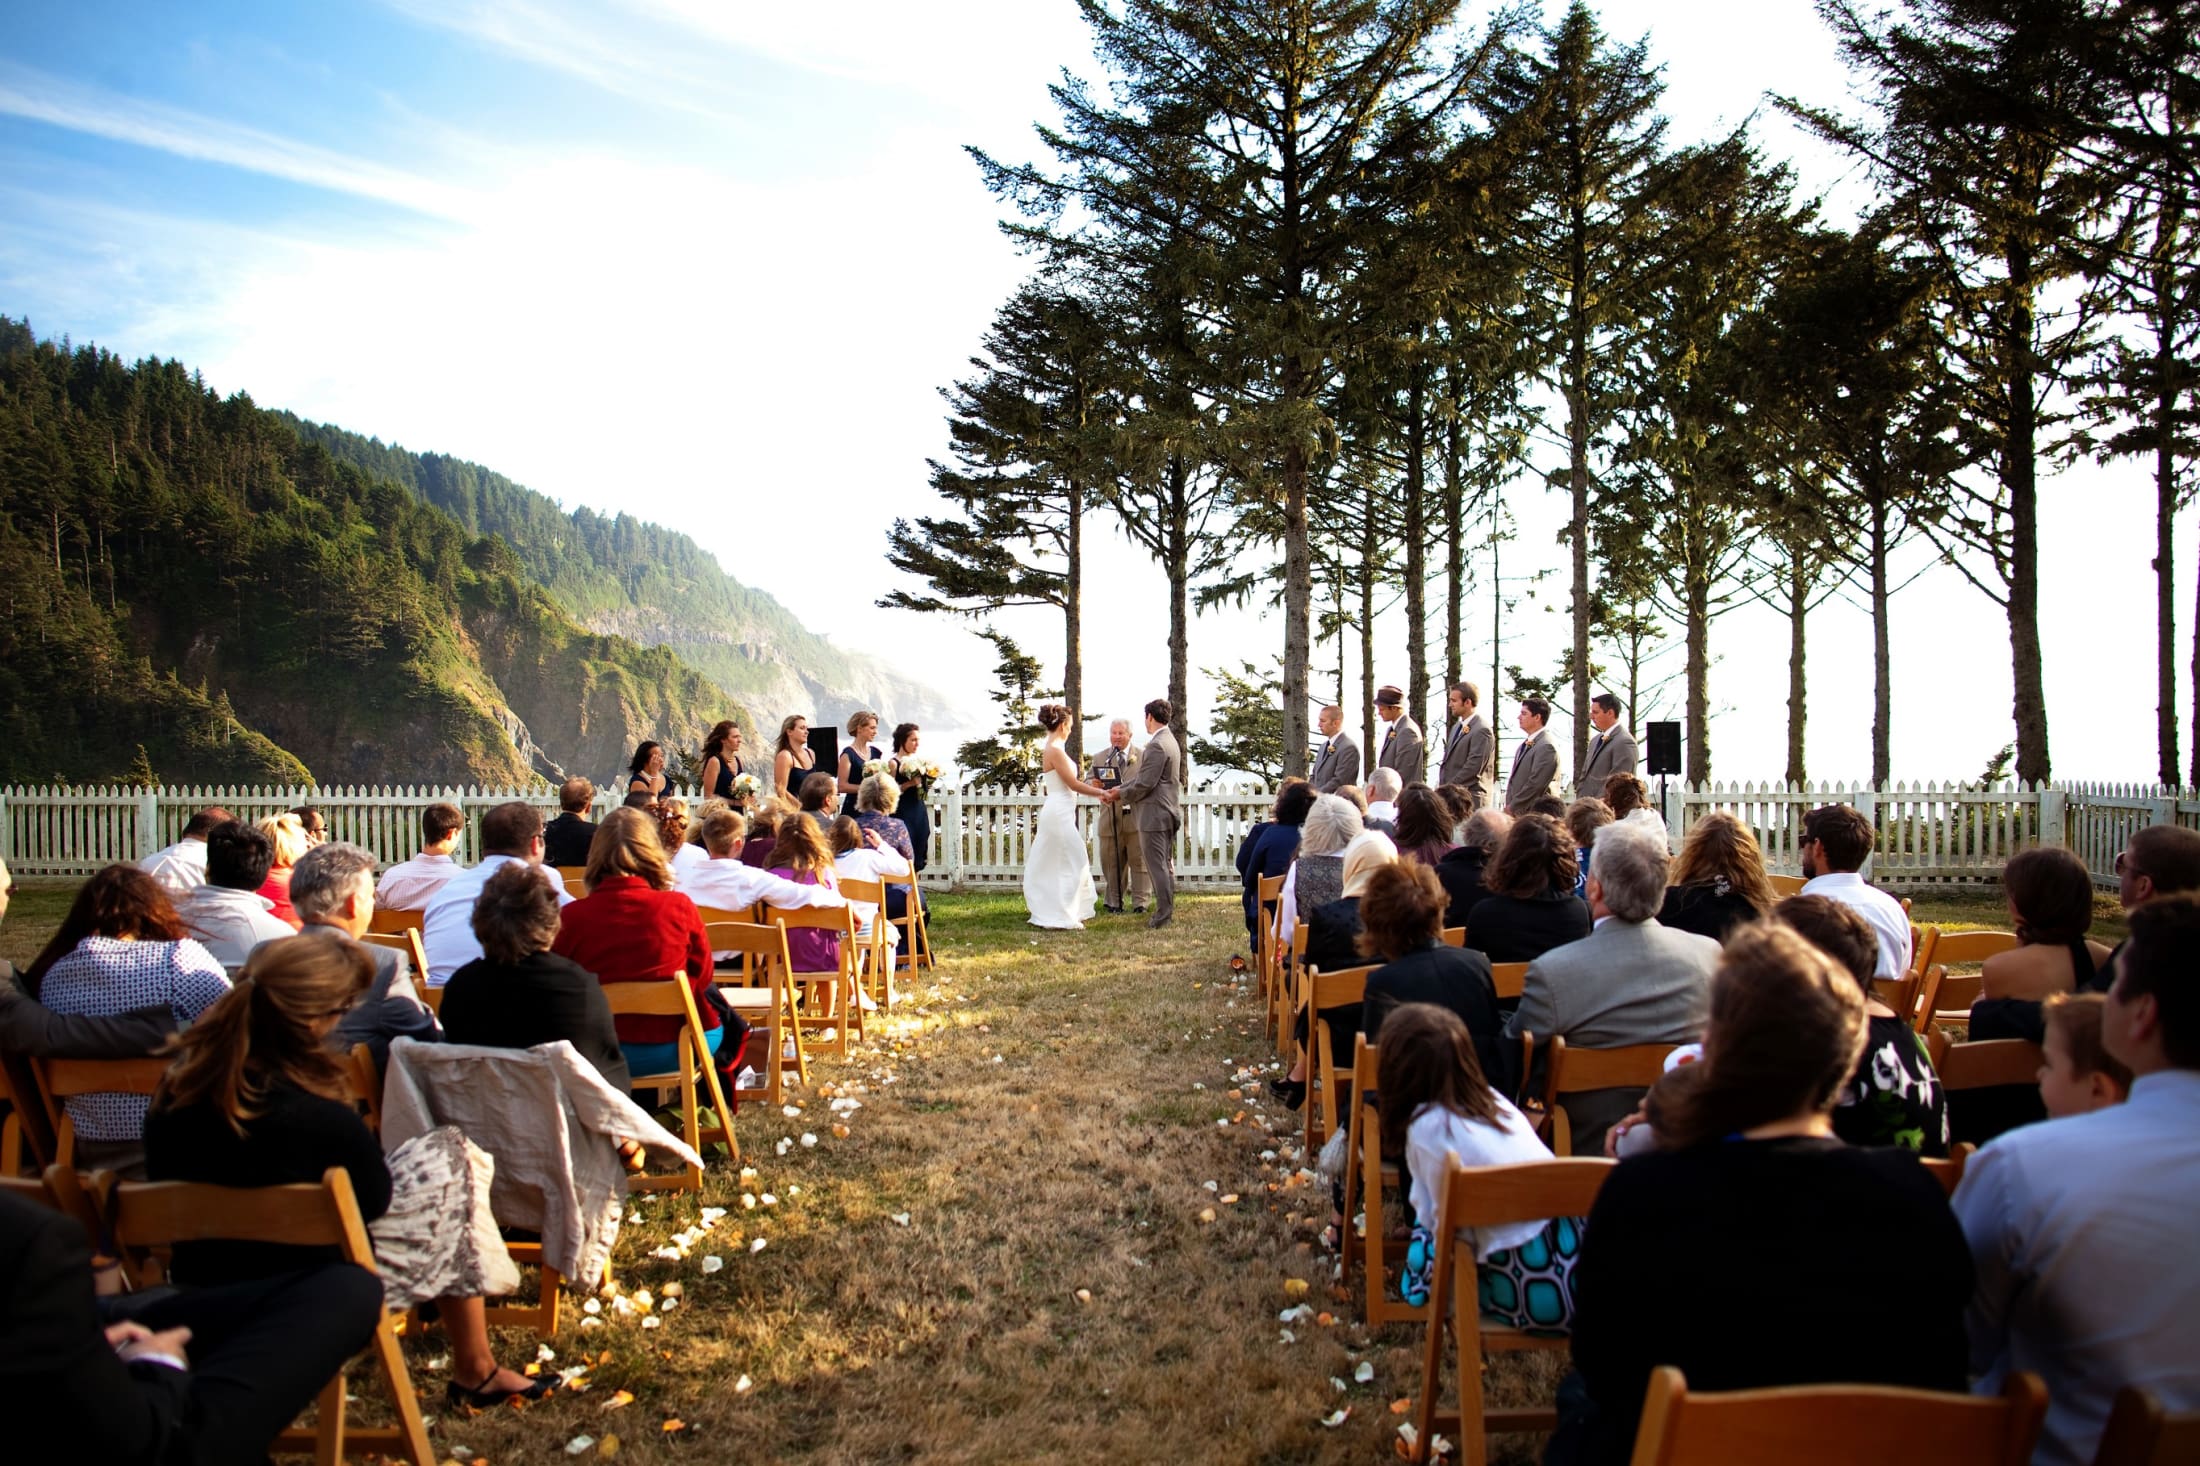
1365,1374
1337,1417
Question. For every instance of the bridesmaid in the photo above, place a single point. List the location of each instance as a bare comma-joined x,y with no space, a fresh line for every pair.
912,810
862,728
722,761
792,763
646,774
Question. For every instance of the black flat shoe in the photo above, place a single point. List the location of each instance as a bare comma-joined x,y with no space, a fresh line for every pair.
1291,1093
462,1398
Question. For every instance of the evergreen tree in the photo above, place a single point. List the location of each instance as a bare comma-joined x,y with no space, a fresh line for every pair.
1247,724
1010,758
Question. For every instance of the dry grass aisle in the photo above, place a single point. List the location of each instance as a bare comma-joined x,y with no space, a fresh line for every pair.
1044,1120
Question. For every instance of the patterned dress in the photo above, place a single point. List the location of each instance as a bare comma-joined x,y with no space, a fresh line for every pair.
1894,1098
105,976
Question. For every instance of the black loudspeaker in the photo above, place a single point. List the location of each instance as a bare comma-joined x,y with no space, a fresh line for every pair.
1665,748
825,746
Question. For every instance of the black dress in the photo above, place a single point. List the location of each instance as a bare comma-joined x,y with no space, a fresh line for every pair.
1978,1115
1510,929
1707,908
1460,874
1332,936
1737,1262
917,815
537,1000
851,764
1449,977
729,768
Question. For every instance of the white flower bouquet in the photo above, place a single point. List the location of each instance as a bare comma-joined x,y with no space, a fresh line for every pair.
877,766
747,786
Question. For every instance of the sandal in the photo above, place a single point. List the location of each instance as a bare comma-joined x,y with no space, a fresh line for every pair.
484,1398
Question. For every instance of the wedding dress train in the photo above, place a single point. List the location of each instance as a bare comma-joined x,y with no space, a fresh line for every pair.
1057,868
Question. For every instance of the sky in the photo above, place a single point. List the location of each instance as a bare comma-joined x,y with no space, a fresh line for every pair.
710,262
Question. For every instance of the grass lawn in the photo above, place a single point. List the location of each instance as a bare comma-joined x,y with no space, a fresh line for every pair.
1007,1256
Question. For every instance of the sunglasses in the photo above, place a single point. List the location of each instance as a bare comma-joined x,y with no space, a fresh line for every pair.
2126,866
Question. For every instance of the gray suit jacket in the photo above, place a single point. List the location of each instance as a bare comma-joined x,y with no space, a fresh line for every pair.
1470,758
1535,772
1616,755
1404,750
1151,791
1625,983
1337,765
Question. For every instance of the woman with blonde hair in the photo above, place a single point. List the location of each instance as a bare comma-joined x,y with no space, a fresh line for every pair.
792,759
860,753
256,1097
291,841
1719,881
631,926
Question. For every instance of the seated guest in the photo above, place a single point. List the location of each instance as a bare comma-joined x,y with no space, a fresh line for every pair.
2050,895
208,1375
860,854
633,927
1626,793
565,839
1268,849
1719,881
409,884
1584,817
1424,826
1354,796
314,823
1401,927
1458,802
1690,1246
226,912
1463,869
1894,1097
1435,1106
333,889
2080,1075
256,1097
1333,945
519,993
1531,907
724,882
640,799
672,831
876,800
756,848
1544,804
121,948
1383,789
289,838
510,833
1837,840
1630,981
803,858
181,866
1316,876
813,798
2082,1228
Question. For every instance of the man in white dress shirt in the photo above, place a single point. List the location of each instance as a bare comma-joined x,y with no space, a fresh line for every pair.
723,883
182,865
2081,1229
1382,795
226,911
1837,840
510,832
410,884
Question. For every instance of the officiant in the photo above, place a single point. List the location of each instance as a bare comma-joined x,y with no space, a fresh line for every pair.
1121,861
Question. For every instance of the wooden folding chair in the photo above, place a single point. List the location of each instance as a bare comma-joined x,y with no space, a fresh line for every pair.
395,920
1366,1173
416,952
1834,1425
1899,994
62,1080
154,1215
1489,1196
1327,990
1578,1070
672,998
1281,1000
874,955
63,1190
2141,1433
571,874
764,997
1985,1063
1510,979
1267,953
1928,998
1922,941
840,981
915,949
1949,1172
1455,936
1786,886
1962,949
24,1134
366,1085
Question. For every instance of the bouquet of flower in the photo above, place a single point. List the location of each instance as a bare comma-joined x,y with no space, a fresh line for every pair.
747,786
877,766
923,769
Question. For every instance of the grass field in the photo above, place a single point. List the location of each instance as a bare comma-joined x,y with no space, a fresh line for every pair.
1008,1256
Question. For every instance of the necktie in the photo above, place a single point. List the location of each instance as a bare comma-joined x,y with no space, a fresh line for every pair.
1598,747
1324,753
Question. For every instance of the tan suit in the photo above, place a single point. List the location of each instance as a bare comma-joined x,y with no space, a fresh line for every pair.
1122,862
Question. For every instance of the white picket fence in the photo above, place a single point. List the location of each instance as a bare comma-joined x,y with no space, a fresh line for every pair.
1928,835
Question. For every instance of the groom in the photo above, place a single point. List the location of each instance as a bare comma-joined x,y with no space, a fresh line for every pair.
1150,792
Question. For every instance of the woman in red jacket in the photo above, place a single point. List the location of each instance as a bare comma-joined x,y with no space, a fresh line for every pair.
633,927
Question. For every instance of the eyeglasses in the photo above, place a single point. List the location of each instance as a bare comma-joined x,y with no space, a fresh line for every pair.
2126,866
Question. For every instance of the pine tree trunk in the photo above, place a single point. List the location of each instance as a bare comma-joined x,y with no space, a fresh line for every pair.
2020,478
1455,544
1497,643
1180,611
1298,603
1798,712
1416,532
1073,628
2165,561
1699,674
1577,432
1368,548
1882,649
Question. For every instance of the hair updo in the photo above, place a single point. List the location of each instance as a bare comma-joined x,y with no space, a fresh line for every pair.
1053,716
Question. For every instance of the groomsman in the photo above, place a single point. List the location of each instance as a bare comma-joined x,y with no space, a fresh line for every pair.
1121,861
1338,763
1611,751
1535,761
1470,749
1403,749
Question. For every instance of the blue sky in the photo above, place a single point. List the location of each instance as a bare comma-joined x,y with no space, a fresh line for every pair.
710,260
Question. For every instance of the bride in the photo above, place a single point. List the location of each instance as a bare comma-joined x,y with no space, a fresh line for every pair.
1057,870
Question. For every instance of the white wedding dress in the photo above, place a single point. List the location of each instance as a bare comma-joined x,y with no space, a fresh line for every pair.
1057,869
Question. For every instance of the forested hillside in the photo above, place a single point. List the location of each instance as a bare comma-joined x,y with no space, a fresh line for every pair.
624,576
184,574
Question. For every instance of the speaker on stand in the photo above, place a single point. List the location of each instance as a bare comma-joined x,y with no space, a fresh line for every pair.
1665,755
825,754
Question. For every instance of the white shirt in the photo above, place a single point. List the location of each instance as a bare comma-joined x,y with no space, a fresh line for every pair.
447,926
866,864
1437,1133
230,923
725,884
1383,809
1888,921
2082,1231
411,884
685,859
178,868
1288,921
